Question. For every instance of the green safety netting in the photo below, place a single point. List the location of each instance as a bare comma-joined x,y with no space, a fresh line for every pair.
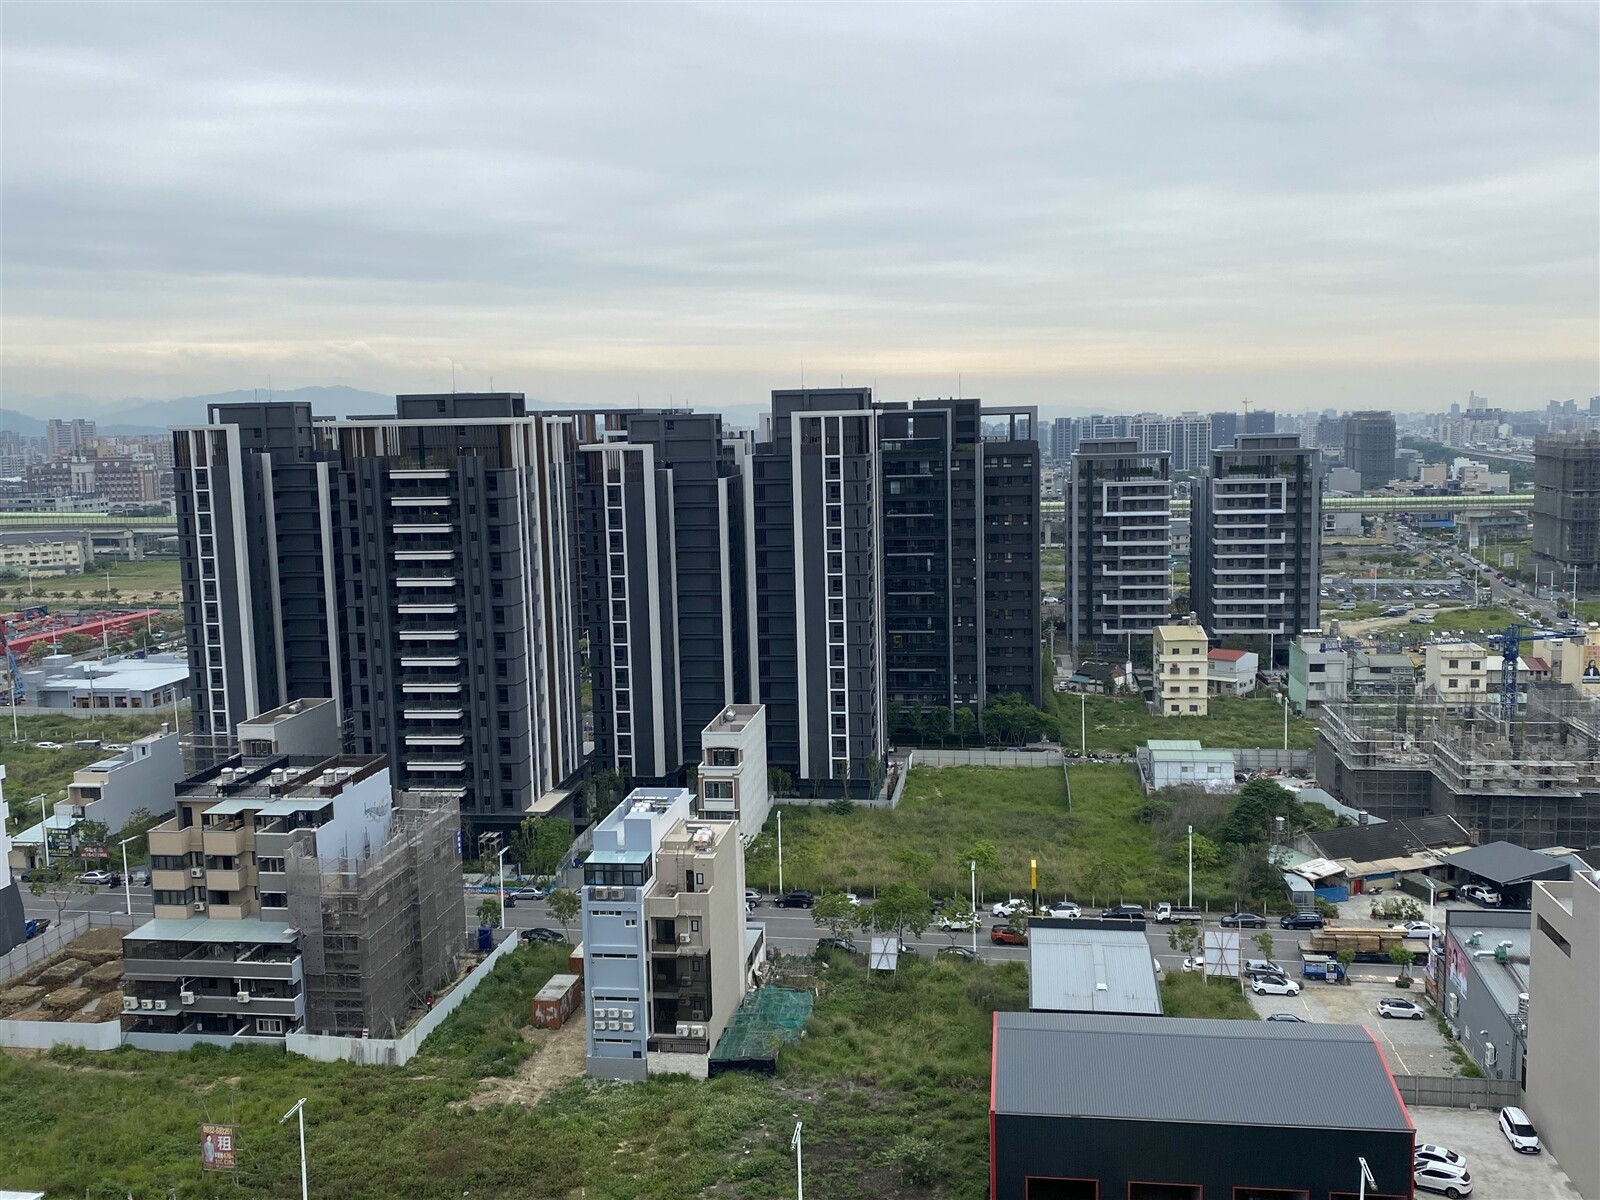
769,1017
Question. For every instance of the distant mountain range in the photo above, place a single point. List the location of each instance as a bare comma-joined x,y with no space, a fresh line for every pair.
136,416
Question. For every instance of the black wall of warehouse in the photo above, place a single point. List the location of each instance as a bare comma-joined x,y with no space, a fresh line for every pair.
1217,1158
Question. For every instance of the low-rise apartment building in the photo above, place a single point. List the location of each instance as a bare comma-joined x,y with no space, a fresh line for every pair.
1182,676
732,778
114,788
1457,674
1563,1083
1232,672
293,892
1319,672
663,935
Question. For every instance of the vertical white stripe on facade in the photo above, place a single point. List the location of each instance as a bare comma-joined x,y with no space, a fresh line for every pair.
329,588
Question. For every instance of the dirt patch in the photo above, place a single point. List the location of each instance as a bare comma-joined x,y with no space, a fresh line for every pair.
64,971
557,1058
105,975
18,998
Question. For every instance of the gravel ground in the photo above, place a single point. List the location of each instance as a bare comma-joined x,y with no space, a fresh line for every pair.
1411,1047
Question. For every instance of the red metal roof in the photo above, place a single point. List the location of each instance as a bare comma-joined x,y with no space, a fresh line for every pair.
1227,655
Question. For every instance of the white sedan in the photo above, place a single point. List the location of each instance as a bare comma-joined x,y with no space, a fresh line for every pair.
1418,929
1006,907
1195,962
1275,987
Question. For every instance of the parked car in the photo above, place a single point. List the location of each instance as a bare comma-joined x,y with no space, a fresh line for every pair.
961,952
837,943
1066,908
751,896
1243,920
1428,1152
796,899
1419,929
1255,968
529,893
1006,936
1122,912
1005,908
34,926
1195,962
958,924
96,878
1275,985
541,934
1442,1177
1169,914
1480,894
50,745
855,900
1301,920
1519,1131
1400,1008
1290,1017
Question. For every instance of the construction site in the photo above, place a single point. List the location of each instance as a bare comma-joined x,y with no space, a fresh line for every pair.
1532,779
380,934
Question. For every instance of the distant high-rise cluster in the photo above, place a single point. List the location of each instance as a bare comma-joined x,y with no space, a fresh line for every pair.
435,572
1187,438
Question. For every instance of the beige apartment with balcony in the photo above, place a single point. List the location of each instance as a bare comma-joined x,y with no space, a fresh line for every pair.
1458,675
1182,679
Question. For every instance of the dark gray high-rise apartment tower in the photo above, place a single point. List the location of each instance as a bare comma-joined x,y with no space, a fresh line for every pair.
818,571
456,529
1566,508
1369,447
1257,530
664,531
1225,426
1119,517
254,501
1191,441
960,555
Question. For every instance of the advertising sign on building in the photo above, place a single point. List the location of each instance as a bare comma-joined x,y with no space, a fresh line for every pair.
60,839
217,1148
93,852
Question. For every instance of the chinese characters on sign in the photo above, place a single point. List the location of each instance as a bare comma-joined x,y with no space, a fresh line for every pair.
217,1148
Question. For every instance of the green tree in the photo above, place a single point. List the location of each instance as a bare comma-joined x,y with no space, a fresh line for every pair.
540,844
92,833
565,904
966,724
1344,958
1184,938
779,783
1263,942
836,914
901,908
983,853
138,826
1254,876
1206,852
489,912
1404,959
935,725
1017,922
958,918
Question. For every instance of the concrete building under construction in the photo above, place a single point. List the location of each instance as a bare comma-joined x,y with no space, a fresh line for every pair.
1535,782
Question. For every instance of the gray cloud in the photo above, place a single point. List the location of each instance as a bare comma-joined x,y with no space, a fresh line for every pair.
1159,205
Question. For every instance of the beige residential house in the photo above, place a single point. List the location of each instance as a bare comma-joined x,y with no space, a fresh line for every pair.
1181,669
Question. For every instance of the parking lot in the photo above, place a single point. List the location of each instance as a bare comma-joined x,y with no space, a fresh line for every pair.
1411,1047
1498,1172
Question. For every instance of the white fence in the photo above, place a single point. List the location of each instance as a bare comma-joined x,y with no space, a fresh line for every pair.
395,1052
23,958
41,1035
987,758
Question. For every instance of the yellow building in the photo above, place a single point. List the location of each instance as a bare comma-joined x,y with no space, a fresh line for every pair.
1181,679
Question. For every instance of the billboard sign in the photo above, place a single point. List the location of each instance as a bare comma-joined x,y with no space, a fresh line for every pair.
59,839
218,1150
1222,952
93,852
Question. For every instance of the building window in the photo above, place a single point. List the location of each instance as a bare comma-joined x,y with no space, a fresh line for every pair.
718,789
694,925
269,1025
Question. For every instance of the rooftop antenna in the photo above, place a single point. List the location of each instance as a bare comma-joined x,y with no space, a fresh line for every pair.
452,377
1246,403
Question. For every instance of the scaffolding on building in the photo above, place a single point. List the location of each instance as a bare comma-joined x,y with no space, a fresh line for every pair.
380,930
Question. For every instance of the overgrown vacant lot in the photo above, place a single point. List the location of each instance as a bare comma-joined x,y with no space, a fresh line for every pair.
1120,726
891,1082
1099,852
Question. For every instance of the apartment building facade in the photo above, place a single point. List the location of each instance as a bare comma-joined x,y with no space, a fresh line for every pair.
732,778
1457,674
1566,508
818,571
664,529
1257,541
1369,447
1119,511
1182,674
663,936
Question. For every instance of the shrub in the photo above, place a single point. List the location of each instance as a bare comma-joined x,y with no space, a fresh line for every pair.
916,1159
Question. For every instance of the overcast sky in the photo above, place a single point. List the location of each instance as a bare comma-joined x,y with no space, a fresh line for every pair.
1085,206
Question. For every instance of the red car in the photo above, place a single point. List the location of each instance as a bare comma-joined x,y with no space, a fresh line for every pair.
1007,937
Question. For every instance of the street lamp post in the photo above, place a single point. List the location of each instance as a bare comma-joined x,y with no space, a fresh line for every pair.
1366,1178
1083,724
780,852
501,860
799,1172
1191,866
299,1110
127,887
973,865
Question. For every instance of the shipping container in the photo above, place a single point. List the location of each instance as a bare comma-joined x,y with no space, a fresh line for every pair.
557,1000
575,960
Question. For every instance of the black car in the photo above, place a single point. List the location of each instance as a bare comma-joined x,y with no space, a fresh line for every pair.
834,943
1243,920
1288,1017
961,952
1301,921
541,934
1122,912
798,899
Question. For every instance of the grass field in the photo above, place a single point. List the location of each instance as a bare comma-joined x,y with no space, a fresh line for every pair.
1493,619
891,1081
1190,995
1589,610
1118,726
139,580
1098,853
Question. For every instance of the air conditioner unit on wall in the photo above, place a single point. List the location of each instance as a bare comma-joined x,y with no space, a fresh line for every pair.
161,1006
130,1004
147,1005
683,939
242,997
197,872
185,997
199,906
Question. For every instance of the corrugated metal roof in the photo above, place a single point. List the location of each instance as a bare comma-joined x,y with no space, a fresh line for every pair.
1076,969
207,929
289,805
1503,862
1193,1071
238,804
1173,744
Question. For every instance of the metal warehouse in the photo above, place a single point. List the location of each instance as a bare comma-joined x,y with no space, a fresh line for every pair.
1096,1107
